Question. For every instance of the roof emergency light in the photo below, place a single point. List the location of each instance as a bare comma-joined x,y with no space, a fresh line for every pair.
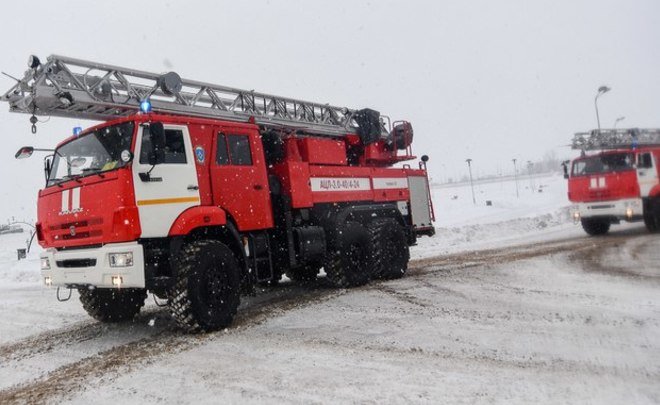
77,131
145,106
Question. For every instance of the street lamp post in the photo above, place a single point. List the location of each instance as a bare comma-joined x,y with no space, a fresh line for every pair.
616,121
601,90
469,161
530,166
515,176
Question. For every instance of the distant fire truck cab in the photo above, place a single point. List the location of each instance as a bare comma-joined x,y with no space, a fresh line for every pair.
615,178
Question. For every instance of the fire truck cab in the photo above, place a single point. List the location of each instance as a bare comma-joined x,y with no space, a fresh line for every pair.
617,182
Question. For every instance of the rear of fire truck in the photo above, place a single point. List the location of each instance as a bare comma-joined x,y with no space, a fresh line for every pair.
615,179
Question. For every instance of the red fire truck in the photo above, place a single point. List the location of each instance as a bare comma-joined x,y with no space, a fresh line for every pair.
615,178
198,192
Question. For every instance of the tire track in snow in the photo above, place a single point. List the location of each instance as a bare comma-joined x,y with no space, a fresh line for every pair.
52,340
65,381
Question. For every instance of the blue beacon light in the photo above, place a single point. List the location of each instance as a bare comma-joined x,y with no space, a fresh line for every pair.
145,106
77,131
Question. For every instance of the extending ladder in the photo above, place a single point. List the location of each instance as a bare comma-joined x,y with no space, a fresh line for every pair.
616,138
75,88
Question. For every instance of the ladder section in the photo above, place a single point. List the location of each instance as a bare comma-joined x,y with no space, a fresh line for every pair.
76,88
616,138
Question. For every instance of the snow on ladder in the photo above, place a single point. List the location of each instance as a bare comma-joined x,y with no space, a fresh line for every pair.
76,88
616,138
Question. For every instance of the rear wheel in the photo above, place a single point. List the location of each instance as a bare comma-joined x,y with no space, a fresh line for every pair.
389,249
348,261
112,304
206,294
595,227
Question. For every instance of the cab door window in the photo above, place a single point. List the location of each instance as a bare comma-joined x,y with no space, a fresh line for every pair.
645,161
175,149
233,150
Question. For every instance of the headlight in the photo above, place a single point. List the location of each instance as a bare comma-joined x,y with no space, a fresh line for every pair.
121,259
45,263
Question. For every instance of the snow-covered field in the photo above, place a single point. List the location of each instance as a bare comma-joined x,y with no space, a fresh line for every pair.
534,213
508,303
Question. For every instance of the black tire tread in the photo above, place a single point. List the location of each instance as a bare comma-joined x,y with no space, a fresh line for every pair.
595,227
112,304
337,267
384,263
179,302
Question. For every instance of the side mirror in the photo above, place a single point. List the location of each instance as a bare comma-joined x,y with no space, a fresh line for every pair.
157,133
48,166
24,152
564,165
425,158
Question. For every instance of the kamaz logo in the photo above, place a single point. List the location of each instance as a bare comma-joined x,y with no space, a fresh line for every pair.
70,201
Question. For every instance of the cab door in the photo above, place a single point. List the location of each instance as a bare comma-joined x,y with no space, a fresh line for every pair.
239,180
647,172
171,186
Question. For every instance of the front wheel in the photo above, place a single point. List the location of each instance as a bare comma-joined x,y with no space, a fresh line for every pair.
112,304
206,294
652,222
652,214
595,227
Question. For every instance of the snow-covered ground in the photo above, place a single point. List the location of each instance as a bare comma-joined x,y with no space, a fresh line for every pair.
539,211
541,313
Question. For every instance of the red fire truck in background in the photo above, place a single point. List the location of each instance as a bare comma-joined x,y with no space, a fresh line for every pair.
615,178
198,192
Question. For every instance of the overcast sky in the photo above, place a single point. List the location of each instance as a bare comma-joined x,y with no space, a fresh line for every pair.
487,80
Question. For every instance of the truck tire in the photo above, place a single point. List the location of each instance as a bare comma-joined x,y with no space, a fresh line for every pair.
206,294
112,304
348,262
389,249
594,226
652,221
304,273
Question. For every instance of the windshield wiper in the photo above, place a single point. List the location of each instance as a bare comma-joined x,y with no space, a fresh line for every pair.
91,169
94,170
71,177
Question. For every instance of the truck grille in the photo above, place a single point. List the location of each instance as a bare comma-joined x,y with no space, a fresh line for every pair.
601,207
77,229
72,263
600,194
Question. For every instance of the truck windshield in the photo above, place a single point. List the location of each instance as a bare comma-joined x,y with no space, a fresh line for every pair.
607,163
94,152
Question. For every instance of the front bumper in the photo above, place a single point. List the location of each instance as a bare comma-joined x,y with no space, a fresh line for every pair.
630,209
91,267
